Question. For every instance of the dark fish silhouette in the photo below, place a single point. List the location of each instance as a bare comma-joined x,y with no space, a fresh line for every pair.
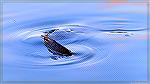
54,47
121,30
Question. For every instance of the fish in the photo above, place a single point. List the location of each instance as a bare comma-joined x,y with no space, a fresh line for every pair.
55,47
121,30
127,32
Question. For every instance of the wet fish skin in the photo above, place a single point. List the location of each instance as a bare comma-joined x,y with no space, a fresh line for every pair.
54,47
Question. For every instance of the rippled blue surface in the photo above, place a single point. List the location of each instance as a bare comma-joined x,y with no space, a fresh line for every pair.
109,41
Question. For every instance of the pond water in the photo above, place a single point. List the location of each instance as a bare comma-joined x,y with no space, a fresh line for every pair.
108,41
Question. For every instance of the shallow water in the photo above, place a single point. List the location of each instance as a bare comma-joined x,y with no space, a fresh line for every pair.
109,42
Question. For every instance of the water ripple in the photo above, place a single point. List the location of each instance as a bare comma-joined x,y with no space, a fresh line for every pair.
73,37
89,44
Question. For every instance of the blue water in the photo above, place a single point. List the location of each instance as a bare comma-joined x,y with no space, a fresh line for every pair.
108,41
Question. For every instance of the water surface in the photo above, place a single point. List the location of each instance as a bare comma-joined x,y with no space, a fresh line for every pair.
108,41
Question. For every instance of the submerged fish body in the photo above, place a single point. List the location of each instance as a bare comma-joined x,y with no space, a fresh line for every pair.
120,31
55,48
